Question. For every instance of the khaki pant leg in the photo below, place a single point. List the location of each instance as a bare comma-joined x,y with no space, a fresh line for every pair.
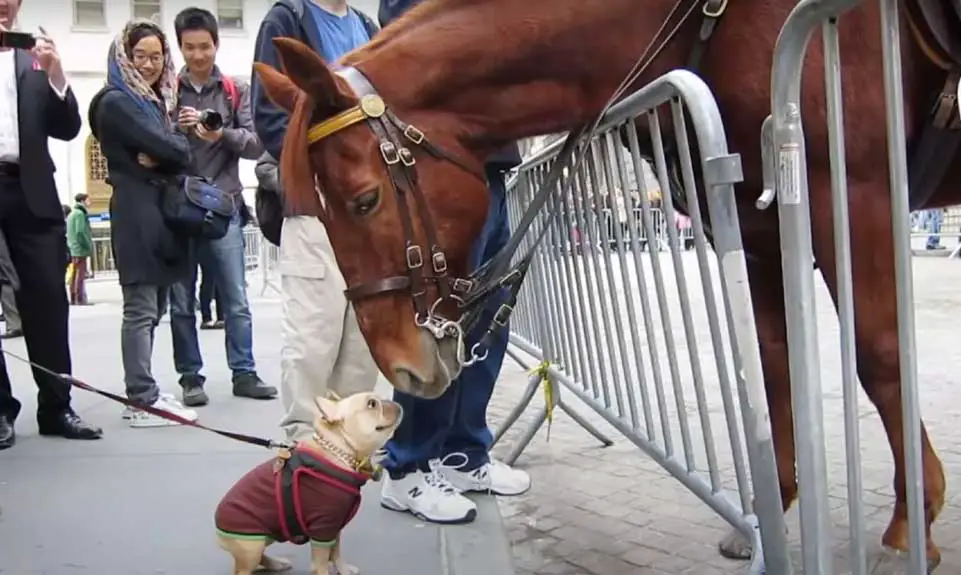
313,317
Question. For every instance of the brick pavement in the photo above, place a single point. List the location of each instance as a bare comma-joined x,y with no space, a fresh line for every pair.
613,511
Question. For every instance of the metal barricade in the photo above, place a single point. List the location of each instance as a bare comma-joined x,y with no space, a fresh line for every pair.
785,157
662,370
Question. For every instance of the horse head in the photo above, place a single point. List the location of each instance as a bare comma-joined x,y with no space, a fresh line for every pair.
379,178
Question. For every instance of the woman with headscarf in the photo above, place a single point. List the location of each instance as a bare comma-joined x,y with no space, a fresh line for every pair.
132,118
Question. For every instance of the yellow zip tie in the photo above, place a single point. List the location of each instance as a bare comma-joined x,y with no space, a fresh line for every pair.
543,370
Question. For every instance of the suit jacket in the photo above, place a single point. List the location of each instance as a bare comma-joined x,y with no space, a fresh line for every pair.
42,114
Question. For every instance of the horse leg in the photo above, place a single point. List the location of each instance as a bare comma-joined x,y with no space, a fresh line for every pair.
876,336
767,294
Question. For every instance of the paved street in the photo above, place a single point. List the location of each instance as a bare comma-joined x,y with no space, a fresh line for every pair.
592,511
141,501
613,511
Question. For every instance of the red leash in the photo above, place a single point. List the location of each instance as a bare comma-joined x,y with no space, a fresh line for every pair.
242,437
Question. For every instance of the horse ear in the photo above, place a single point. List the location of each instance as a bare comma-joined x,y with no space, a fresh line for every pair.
307,70
279,88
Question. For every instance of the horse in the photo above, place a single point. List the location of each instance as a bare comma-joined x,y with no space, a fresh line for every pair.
388,149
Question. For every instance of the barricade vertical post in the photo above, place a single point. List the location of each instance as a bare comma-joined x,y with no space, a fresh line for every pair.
898,174
845,292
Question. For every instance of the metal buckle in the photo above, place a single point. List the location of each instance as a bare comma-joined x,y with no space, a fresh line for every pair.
413,134
503,314
462,285
406,157
389,152
415,258
440,262
714,13
509,278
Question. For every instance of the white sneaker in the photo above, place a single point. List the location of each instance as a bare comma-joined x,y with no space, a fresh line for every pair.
128,411
495,477
167,403
428,496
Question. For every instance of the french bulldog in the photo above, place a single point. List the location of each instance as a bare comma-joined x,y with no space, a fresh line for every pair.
310,492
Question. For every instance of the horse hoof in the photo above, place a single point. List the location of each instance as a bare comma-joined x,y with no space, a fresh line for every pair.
890,561
736,546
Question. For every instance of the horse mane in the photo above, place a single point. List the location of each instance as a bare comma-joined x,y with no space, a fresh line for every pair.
297,179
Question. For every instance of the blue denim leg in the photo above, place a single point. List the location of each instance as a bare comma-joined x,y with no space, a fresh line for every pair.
183,325
457,420
227,261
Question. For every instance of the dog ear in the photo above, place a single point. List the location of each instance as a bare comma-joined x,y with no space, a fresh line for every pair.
328,409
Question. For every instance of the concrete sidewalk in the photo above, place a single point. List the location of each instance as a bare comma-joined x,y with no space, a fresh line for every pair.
141,501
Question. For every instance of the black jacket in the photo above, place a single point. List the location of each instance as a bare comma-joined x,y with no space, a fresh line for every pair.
43,115
145,250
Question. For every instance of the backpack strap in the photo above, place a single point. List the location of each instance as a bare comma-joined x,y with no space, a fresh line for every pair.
231,88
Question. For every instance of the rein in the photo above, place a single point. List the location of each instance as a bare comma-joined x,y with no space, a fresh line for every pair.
470,293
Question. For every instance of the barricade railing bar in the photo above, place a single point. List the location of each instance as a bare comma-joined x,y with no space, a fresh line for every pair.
646,337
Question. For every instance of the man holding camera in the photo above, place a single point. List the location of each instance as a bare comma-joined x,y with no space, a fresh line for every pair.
215,113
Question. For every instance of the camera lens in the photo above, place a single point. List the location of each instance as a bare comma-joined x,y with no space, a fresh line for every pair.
211,120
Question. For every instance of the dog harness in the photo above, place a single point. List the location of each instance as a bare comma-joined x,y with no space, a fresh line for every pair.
297,497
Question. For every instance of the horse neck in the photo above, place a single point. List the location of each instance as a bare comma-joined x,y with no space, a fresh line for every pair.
531,68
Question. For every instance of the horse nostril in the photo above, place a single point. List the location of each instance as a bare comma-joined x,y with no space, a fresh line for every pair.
414,382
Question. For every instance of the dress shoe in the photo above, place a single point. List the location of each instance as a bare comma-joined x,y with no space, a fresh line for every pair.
7,435
69,425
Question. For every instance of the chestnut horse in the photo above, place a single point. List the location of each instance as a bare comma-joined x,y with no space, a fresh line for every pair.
475,75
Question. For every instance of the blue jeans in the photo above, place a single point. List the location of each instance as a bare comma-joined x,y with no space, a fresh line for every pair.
224,258
933,224
456,422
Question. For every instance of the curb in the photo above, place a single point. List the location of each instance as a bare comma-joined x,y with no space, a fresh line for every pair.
480,547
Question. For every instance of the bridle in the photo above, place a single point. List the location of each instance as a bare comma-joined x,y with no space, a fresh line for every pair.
499,273
395,138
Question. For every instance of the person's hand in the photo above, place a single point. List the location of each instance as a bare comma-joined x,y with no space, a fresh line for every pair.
146,161
188,117
209,135
48,59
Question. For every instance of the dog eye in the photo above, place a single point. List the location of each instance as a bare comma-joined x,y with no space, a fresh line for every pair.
372,404
365,203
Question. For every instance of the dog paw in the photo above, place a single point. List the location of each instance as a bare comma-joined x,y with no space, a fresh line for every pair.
341,568
273,564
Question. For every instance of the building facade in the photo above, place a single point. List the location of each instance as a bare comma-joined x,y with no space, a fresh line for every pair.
83,31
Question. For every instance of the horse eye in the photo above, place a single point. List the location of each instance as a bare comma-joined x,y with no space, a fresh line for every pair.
365,203
372,404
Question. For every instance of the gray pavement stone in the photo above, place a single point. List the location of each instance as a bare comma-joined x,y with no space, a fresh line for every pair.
142,501
608,511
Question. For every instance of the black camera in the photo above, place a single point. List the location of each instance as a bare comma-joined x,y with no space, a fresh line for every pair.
211,120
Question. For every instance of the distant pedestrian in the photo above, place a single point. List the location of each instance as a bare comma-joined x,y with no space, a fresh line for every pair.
80,245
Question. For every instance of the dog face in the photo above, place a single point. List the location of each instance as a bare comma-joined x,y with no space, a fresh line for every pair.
364,420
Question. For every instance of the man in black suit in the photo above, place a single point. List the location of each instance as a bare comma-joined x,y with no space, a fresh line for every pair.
36,103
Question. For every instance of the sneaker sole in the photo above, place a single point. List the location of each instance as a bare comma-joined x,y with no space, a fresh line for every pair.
495,492
256,396
394,506
154,423
198,400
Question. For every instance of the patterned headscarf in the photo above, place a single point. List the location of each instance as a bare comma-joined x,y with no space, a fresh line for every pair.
122,74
